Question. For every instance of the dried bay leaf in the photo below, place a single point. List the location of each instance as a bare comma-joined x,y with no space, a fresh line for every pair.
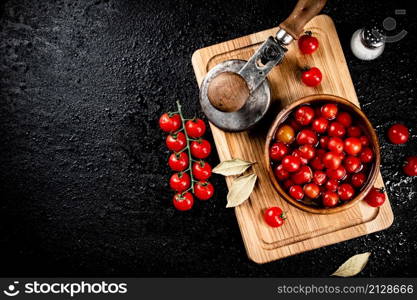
353,265
241,189
232,167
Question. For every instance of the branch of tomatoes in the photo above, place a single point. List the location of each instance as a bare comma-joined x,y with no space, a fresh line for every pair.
189,150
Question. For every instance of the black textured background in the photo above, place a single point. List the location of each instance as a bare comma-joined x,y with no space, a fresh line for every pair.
83,180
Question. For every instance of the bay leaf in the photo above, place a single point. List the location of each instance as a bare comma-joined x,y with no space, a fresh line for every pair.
353,265
241,189
232,167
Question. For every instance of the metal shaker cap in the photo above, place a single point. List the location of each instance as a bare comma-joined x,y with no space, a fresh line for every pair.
373,37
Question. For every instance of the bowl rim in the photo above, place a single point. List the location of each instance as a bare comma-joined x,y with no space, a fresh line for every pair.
369,130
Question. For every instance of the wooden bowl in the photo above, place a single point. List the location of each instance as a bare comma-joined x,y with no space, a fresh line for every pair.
366,126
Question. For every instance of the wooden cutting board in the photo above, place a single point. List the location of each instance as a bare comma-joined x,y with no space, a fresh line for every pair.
302,231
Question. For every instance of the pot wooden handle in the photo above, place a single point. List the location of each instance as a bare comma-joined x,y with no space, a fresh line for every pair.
303,12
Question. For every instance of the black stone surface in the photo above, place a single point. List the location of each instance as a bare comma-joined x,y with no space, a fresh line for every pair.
83,174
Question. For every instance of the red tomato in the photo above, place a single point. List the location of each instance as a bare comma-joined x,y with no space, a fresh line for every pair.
291,163
319,177
352,164
329,111
297,153
332,185
296,192
302,176
354,131
304,115
281,173
195,128
353,145
170,123
274,216
358,179
410,167
311,77
317,163
180,181
312,190
364,140
200,149
337,174
307,151
344,118
203,190
330,199
201,170
306,136
324,142
398,134
345,191
375,197
308,44
331,160
176,142
288,183
336,129
278,150
366,155
183,202
178,161
319,125
335,144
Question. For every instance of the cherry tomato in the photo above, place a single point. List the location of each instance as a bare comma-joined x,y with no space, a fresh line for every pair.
170,123
306,136
281,173
335,144
201,170
353,145
398,134
354,131
195,128
296,192
312,190
364,140
352,164
330,199
200,149
332,160
324,142
336,129
304,115
288,183
285,134
203,190
344,118
308,44
297,153
358,179
183,201
278,150
345,191
410,167
295,125
319,177
291,163
337,174
329,111
366,155
311,77
302,176
179,181
307,151
178,161
317,163
331,185
176,142
274,216
319,125
375,197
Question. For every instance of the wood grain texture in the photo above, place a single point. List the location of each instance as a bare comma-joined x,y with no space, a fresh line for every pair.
303,231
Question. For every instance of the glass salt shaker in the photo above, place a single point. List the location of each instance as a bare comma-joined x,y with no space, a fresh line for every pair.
367,43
